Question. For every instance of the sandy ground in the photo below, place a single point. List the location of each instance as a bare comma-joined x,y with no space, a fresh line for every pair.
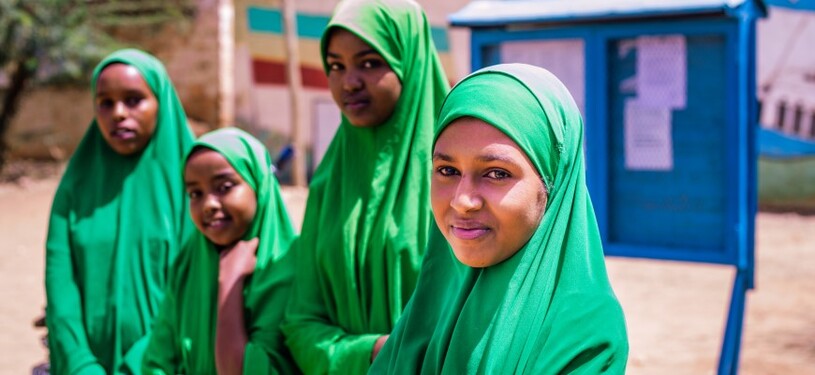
675,311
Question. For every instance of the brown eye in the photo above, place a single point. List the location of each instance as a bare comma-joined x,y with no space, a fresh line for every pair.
498,174
194,194
446,171
132,101
225,186
105,104
372,64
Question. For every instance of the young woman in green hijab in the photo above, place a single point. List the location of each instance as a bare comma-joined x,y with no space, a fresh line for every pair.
367,215
117,221
231,282
514,279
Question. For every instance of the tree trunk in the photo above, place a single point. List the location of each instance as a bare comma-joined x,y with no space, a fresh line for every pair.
22,74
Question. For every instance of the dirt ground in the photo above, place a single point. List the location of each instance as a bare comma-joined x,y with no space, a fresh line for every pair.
675,311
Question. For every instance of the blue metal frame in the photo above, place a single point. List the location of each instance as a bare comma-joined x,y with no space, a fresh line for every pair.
738,30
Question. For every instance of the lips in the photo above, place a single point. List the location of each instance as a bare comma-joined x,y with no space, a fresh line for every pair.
469,230
355,104
217,223
123,133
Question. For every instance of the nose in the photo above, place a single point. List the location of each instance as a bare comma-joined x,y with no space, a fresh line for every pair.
466,198
119,111
351,81
211,204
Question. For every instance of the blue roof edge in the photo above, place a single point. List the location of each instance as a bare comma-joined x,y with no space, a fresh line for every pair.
467,17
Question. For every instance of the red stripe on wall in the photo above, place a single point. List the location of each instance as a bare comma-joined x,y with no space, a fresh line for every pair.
274,73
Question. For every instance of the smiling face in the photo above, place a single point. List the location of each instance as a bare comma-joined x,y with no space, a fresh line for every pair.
487,197
125,109
361,81
222,204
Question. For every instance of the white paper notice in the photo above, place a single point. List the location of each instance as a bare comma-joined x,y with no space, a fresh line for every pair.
648,142
662,71
565,58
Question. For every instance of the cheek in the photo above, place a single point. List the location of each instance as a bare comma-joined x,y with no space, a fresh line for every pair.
248,205
521,218
393,89
387,89
335,87
149,117
102,118
196,215
439,198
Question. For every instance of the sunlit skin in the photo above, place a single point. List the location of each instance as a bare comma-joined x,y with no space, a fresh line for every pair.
222,204
361,81
487,197
125,109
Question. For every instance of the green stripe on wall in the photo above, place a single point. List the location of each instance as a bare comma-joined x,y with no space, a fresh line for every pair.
266,20
311,26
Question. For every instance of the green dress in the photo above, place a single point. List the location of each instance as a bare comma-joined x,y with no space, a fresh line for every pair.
368,211
548,309
117,223
183,339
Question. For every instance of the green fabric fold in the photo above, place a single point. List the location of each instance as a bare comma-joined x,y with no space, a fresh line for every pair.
368,211
116,225
183,340
548,309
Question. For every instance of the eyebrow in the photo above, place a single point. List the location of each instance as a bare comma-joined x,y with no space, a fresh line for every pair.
356,55
219,176
493,157
442,157
127,91
482,158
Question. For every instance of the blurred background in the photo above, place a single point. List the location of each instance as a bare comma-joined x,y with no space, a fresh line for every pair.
228,60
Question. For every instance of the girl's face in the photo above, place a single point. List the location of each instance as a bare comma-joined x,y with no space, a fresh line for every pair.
487,197
361,81
222,204
125,109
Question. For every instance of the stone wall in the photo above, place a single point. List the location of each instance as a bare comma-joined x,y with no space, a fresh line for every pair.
51,121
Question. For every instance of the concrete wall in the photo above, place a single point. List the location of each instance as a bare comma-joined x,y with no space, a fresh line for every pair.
51,122
262,98
786,71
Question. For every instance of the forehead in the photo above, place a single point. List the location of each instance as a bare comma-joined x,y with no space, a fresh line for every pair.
343,42
474,135
206,163
121,76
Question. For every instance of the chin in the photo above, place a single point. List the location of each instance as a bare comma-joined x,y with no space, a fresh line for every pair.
362,124
470,258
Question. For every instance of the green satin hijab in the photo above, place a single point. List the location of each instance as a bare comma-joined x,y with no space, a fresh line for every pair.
548,309
183,340
117,223
368,210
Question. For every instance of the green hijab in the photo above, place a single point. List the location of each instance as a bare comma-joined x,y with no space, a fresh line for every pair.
368,210
183,340
117,223
548,309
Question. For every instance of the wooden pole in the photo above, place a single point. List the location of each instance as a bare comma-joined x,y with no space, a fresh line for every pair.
295,88
226,66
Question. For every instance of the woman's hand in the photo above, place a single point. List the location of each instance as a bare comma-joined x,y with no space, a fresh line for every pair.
235,264
380,342
238,261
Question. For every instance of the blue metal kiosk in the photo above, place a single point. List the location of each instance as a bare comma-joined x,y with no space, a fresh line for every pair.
667,91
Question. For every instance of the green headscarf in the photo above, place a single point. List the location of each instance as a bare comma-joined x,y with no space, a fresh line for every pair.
183,340
117,223
368,211
548,309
